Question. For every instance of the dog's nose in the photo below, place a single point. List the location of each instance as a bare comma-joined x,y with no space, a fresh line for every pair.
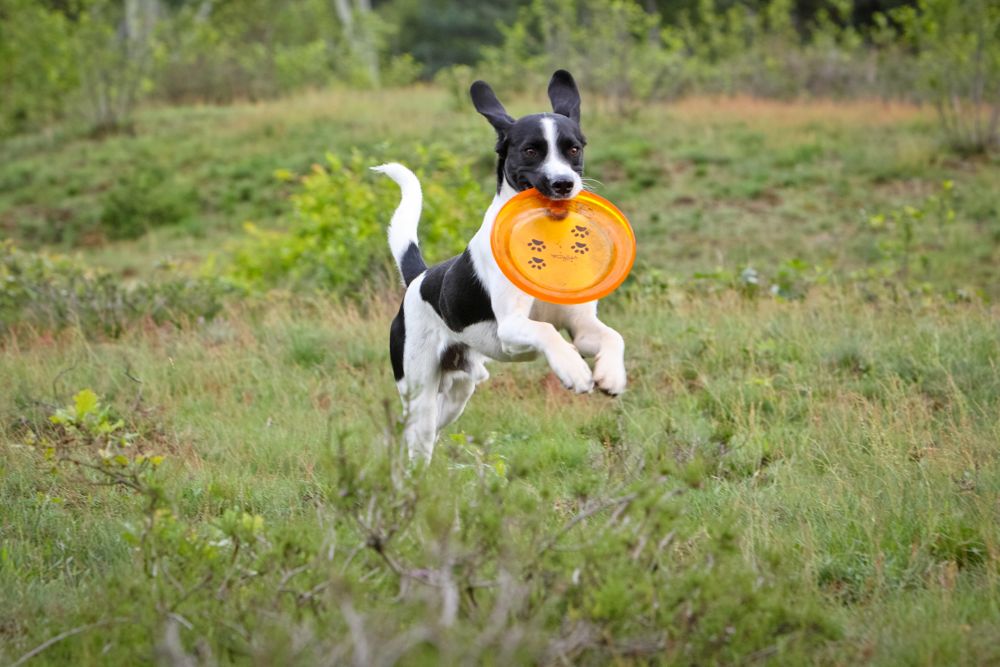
562,188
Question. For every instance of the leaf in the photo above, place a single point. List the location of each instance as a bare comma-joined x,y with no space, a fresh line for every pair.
86,402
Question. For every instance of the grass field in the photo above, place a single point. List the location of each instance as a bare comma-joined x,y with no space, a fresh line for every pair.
804,469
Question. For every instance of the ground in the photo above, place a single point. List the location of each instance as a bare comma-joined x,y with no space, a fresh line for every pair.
803,469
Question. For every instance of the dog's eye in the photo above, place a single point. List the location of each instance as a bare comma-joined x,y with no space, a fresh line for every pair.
530,152
574,151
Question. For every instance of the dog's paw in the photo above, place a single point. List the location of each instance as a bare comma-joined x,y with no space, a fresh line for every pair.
609,375
572,371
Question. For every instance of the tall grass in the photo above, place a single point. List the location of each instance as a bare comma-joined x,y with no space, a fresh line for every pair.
803,469
845,450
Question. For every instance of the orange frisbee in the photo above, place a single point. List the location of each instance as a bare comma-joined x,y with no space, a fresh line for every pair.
563,251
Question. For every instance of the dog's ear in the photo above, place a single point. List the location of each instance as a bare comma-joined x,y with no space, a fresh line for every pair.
564,95
486,103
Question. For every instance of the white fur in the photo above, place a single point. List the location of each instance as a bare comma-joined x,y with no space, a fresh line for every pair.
403,228
555,167
524,327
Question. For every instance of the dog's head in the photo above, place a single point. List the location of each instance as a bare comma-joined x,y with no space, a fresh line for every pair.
543,150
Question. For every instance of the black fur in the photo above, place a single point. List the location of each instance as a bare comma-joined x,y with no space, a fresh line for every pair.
486,103
397,342
564,95
412,264
454,359
521,146
454,291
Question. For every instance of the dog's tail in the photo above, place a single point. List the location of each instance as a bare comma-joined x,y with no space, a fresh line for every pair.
403,228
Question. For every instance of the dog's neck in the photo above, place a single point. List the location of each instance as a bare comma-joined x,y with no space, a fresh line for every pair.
504,192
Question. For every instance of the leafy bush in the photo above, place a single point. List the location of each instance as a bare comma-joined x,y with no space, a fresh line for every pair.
336,236
615,48
89,435
143,198
958,61
37,70
54,292
263,48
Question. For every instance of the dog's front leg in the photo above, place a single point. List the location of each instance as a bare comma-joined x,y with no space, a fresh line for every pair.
592,337
518,334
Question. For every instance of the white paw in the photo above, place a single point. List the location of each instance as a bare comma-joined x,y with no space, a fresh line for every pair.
609,375
572,370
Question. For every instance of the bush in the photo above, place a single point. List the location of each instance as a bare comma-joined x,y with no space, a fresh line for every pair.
958,65
54,293
627,55
37,70
336,236
143,198
263,48
617,49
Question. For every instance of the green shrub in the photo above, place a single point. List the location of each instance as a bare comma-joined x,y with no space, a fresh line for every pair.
958,65
37,290
143,198
336,236
37,70
628,55
617,49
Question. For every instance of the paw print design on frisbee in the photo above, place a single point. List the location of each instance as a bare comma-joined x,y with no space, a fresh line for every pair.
563,251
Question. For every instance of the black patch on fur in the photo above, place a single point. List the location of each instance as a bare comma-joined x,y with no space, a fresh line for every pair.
514,137
412,264
454,359
454,291
397,342
564,95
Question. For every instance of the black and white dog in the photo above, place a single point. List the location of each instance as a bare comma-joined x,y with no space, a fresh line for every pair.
459,314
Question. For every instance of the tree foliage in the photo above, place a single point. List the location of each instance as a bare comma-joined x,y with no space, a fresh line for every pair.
958,60
96,59
34,81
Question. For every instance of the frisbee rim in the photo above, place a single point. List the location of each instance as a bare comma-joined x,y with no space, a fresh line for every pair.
621,266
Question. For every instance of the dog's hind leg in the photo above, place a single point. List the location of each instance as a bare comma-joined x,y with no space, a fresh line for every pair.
420,409
457,388
421,375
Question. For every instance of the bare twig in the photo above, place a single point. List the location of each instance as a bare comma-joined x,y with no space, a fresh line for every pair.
57,378
48,643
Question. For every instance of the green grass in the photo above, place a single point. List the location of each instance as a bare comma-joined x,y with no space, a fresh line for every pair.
706,183
798,480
